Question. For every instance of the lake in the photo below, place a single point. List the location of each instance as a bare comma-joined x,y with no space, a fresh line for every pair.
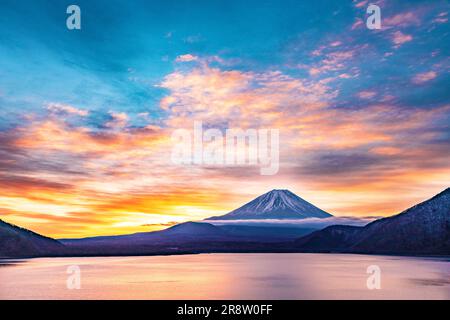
226,276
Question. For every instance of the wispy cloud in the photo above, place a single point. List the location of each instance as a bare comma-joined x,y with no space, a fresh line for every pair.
366,94
403,19
424,77
399,38
186,58
63,108
315,223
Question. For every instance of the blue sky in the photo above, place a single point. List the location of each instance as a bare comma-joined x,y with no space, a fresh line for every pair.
126,48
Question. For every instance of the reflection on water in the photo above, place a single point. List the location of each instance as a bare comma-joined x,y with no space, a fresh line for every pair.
432,282
227,276
11,262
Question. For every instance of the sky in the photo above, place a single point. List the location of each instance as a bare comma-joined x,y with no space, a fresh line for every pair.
87,116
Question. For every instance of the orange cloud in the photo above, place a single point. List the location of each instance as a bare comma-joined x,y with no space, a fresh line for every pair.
56,135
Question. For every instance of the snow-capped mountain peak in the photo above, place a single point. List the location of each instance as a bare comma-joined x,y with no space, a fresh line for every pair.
276,204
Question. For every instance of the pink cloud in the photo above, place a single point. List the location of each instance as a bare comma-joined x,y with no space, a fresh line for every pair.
366,94
424,77
314,71
335,43
58,107
333,61
358,23
401,20
399,38
361,4
440,20
318,51
211,94
119,120
441,17
186,58
345,76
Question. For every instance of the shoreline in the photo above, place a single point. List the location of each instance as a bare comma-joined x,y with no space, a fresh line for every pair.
225,252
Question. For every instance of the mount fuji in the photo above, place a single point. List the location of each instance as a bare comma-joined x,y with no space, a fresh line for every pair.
275,204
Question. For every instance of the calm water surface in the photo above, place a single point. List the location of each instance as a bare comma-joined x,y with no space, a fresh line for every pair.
227,276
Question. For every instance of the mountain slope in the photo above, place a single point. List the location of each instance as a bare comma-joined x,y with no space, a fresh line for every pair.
185,237
276,204
189,237
421,229
183,232
268,233
330,239
19,242
195,231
